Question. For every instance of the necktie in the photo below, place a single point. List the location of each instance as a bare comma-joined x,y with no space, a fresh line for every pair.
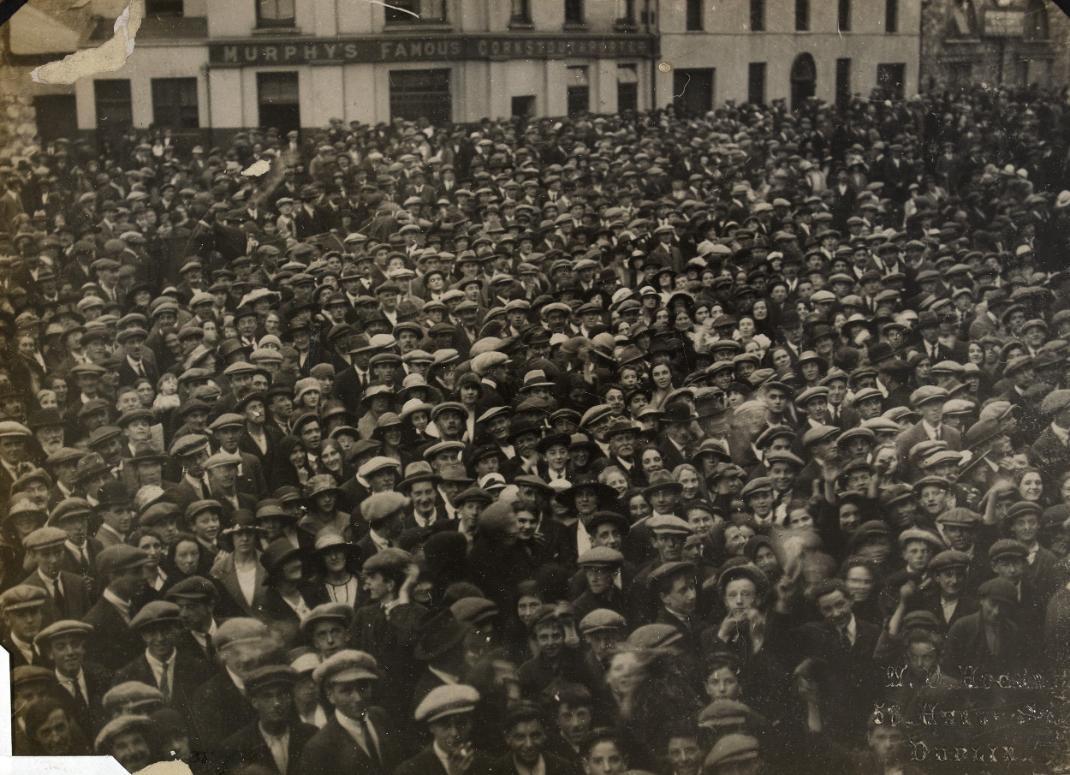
140,369
165,682
77,692
58,599
845,639
369,741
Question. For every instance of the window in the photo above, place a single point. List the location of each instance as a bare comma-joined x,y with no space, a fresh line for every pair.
694,15
757,15
574,12
625,15
579,91
416,12
843,83
523,106
802,15
959,74
277,97
1036,21
692,91
416,94
163,8
521,13
275,13
891,15
843,16
756,83
890,79
114,108
627,88
174,102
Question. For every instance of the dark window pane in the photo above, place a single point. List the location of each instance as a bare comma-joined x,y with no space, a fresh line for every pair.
756,83
843,16
163,7
891,15
694,14
114,108
573,11
802,15
418,94
275,13
174,102
757,15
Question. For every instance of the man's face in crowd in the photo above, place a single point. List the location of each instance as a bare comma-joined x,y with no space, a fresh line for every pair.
574,722
273,704
160,639
452,733
835,608
526,740
685,755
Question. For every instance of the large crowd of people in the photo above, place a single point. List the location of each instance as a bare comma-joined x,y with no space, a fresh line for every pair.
650,443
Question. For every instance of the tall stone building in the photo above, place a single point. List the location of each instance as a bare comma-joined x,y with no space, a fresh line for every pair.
998,42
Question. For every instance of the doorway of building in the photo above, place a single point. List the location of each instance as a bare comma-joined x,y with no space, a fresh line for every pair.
692,90
803,80
56,116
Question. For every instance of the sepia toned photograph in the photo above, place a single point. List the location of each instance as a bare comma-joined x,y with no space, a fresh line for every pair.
536,387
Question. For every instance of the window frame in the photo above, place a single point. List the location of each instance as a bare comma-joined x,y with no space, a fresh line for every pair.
843,15
752,69
575,19
694,16
402,18
158,85
585,88
268,22
520,13
168,11
757,14
104,101
891,17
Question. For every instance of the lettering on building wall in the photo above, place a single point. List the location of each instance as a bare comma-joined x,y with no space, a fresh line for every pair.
435,48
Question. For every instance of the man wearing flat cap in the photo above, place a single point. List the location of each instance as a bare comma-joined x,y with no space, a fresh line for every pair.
448,713
121,569
277,738
988,641
177,674
23,607
358,737
68,592
63,645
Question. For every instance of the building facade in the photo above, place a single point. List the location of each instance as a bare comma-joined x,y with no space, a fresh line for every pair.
300,63
764,50
999,42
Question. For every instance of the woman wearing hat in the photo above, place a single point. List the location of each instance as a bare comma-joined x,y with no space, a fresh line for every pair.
291,465
389,432
321,499
288,597
238,570
333,560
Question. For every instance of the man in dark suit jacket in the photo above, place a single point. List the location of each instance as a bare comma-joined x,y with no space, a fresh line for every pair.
113,643
62,644
988,641
175,673
358,739
448,713
260,742
68,593
929,402
845,644
525,734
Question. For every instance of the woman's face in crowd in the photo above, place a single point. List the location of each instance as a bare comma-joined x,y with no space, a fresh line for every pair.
735,538
662,377
688,479
1031,486
651,461
859,583
187,555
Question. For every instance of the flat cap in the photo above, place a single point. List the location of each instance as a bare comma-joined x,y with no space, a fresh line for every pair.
927,393
602,619
729,749
600,555
239,630
1007,547
653,636
999,589
667,523
155,612
949,558
192,588
120,557
22,597
121,725
381,505
960,517
62,628
340,612
44,537
445,701
917,534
